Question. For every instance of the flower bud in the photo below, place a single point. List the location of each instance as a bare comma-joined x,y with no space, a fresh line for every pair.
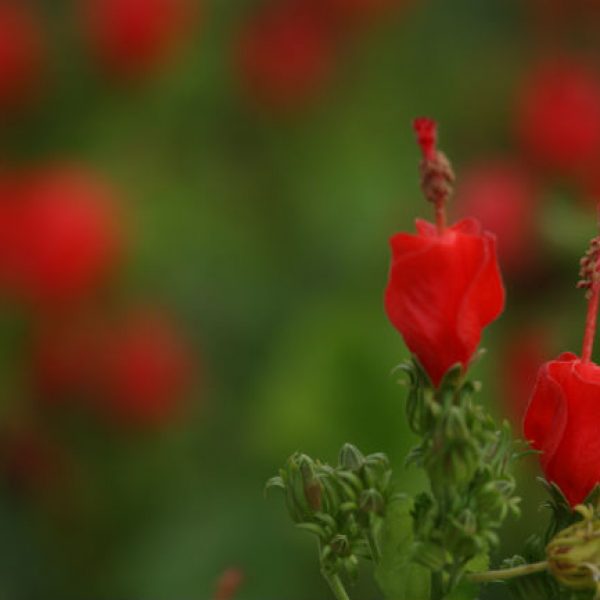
340,545
351,458
371,501
312,486
574,553
303,488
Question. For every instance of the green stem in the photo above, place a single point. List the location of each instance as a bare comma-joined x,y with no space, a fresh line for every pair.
437,585
372,540
336,585
508,573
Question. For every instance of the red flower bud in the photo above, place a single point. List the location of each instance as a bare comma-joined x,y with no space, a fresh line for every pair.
21,52
285,54
562,421
558,115
443,289
133,37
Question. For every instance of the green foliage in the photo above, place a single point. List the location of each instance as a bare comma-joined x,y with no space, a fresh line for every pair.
398,577
467,459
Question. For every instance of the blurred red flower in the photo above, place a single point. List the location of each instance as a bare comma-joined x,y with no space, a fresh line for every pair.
562,421
285,54
133,369
558,114
443,289
525,350
22,52
147,369
502,195
134,37
61,235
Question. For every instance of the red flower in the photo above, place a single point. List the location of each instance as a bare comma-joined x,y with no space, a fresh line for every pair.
146,371
61,235
132,37
443,288
562,420
21,52
504,198
285,54
558,115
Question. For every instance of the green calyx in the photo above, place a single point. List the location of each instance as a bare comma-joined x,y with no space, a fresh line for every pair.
467,459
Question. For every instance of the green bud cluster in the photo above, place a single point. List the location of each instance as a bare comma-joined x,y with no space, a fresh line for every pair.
342,505
467,459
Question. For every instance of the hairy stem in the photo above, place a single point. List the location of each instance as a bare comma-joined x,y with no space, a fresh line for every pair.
336,585
501,574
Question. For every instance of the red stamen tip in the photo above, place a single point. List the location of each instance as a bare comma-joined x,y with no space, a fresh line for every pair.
426,130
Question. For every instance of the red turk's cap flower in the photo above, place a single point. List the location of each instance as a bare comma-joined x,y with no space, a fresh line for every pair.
562,421
444,284
21,52
558,115
442,291
133,37
285,54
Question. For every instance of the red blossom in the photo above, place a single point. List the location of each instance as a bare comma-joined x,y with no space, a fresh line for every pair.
285,54
22,52
131,369
146,370
562,421
61,235
443,290
558,115
133,37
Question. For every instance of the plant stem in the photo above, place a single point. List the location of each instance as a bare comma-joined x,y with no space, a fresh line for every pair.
372,540
507,573
336,585
437,586
590,323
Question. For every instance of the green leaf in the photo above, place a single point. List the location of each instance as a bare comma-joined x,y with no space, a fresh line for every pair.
397,576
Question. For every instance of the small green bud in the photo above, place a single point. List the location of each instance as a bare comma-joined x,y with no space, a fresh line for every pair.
455,427
573,554
371,501
351,458
312,485
340,545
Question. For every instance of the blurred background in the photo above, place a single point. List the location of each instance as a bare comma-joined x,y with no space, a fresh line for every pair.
195,203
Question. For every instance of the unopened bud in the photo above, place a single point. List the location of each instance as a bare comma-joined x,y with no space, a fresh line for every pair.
340,545
371,501
351,458
573,554
312,485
